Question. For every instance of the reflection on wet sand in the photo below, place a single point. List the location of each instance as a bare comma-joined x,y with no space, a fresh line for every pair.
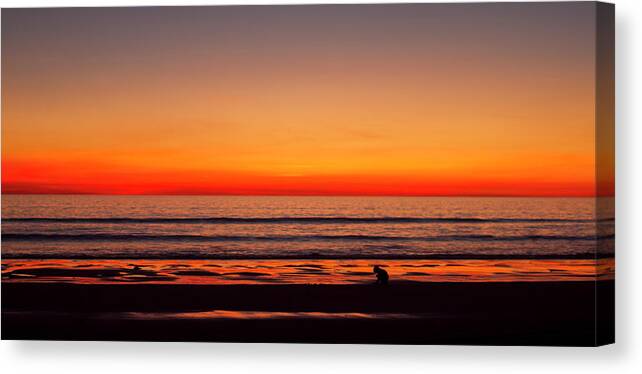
302,271
239,314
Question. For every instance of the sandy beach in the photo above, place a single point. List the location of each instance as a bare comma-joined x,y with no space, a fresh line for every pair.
522,313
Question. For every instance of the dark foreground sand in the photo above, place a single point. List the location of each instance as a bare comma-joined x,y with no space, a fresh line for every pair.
527,313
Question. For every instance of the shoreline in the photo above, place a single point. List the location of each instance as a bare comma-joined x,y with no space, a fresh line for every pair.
300,271
580,256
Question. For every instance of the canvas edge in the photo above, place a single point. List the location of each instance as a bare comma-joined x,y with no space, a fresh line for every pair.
604,161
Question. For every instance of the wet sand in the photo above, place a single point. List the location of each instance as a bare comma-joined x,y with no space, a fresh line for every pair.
500,313
307,271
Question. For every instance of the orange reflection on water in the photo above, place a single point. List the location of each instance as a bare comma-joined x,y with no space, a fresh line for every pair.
302,271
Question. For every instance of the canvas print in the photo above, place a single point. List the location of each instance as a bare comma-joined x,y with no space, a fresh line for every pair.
374,174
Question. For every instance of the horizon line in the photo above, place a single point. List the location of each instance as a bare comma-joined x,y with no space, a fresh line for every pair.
302,195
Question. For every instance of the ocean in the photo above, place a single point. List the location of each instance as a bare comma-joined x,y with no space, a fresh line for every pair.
283,227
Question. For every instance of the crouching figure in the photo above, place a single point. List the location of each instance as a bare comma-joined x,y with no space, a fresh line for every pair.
382,275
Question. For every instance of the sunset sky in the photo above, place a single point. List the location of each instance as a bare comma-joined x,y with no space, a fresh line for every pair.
494,100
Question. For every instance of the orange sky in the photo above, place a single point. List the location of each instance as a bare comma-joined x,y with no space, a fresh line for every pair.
393,100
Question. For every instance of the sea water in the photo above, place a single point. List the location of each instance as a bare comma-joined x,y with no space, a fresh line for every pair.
286,227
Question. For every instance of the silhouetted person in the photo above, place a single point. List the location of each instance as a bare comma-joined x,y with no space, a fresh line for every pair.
382,275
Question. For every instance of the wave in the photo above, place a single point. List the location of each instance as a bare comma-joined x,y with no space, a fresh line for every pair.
295,220
287,238
308,256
